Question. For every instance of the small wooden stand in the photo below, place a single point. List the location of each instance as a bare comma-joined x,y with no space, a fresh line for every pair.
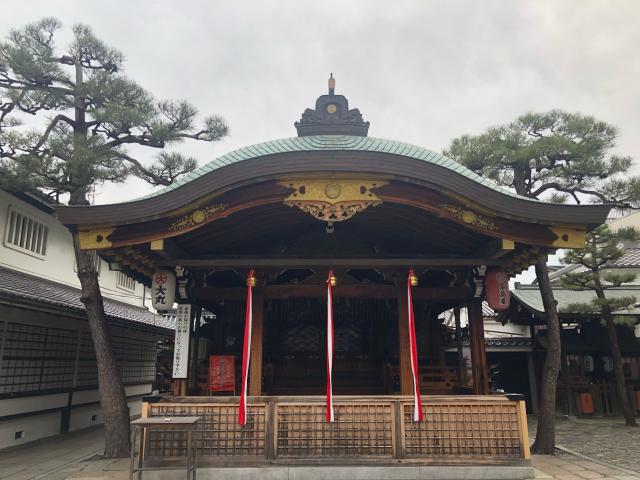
172,424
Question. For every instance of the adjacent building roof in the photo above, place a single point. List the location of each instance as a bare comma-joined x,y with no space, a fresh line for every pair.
27,290
529,296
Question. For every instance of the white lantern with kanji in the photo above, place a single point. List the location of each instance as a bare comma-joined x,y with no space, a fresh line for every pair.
163,289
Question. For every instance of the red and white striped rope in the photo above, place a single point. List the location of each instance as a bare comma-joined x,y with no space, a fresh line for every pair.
330,413
246,351
417,402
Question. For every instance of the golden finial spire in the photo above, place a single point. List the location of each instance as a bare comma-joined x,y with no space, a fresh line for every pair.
332,84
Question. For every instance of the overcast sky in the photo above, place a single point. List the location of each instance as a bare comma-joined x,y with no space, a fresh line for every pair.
422,72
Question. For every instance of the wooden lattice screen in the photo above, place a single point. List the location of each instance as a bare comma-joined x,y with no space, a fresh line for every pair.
359,429
295,427
458,429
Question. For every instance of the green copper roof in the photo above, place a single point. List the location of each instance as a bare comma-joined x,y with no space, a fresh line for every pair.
335,143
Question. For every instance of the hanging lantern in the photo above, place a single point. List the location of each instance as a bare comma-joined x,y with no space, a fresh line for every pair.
163,289
496,284
413,279
333,280
251,279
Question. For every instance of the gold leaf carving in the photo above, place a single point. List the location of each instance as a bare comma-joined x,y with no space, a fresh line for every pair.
196,217
468,216
332,200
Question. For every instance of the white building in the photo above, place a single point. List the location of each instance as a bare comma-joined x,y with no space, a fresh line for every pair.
48,376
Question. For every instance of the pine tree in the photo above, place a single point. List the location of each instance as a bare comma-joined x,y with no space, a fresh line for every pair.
89,113
603,247
557,156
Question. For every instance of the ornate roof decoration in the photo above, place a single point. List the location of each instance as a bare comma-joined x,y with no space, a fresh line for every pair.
332,116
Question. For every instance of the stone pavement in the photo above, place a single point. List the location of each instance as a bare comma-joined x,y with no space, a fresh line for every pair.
587,444
39,459
606,439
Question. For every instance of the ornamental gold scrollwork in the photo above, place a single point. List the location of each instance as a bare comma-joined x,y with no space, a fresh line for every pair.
332,200
196,217
468,216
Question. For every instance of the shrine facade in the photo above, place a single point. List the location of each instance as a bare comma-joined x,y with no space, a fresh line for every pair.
370,211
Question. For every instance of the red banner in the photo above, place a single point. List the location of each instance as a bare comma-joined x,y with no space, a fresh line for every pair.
222,373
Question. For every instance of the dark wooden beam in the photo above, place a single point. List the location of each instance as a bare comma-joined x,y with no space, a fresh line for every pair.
257,336
167,248
404,352
369,291
289,262
479,366
496,248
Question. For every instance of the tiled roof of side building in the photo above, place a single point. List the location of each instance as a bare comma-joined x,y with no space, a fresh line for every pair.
530,297
21,287
630,258
335,143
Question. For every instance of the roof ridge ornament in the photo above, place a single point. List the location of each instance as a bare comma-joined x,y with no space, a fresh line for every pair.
332,116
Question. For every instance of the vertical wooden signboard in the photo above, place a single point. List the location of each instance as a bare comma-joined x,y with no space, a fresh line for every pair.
181,344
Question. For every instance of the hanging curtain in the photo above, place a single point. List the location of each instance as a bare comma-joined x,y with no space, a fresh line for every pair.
417,403
246,349
330,414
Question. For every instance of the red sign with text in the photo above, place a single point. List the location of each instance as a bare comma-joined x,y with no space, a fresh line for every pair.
222,373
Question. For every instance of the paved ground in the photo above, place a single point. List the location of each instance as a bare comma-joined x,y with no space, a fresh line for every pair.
39,459
595,449
602,439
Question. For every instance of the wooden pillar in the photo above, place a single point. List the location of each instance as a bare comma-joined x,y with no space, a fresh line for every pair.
533,388
478,353
257,336
462,368
196,313
404,352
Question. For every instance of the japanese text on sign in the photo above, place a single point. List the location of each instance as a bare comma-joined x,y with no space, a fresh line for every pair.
181,344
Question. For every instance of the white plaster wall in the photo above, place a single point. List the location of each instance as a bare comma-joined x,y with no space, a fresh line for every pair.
493,329
83,417
14,406
58,264
36,427
631,220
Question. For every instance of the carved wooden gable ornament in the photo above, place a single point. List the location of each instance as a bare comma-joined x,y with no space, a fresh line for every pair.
332,200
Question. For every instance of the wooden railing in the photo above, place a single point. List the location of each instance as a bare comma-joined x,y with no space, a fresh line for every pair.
455,428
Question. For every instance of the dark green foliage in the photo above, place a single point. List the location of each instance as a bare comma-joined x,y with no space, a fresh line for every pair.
602,248
93,112
554,154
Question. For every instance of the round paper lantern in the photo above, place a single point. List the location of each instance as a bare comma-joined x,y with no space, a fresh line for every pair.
496,285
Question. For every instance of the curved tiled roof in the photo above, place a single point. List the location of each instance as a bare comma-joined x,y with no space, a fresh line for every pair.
333,154
336,143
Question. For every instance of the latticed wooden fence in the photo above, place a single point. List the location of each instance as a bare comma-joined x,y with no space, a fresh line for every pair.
455,428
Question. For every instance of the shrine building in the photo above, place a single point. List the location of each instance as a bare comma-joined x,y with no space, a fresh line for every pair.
335,218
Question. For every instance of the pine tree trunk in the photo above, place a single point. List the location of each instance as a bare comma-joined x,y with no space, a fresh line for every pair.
112,395
546,434
113,399
621,388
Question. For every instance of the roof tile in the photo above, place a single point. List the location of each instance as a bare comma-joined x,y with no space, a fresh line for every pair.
333,143
18,285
